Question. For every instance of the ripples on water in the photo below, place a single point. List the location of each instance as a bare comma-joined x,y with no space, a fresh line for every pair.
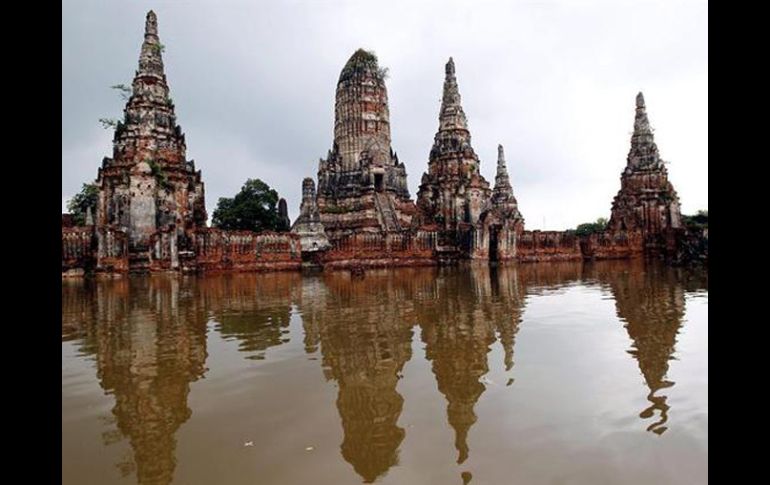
404,376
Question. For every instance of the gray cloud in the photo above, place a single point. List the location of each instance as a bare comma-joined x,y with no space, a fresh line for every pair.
555,83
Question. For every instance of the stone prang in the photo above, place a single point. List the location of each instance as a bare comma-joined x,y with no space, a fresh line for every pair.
361,183
647,201
148,185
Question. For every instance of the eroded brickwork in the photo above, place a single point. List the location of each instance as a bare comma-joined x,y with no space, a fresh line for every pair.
472,220
413,248
361,183
646,201
308,225
148,184
500,223
452,192
612,245
548,246
151,213
77,250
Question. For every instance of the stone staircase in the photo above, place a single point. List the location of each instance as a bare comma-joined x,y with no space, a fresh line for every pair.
386,212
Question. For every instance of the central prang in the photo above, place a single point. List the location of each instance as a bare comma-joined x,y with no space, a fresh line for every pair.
361,183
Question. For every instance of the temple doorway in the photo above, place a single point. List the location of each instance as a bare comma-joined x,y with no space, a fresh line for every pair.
493,233
378,185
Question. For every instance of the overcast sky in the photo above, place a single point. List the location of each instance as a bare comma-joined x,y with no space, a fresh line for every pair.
554,82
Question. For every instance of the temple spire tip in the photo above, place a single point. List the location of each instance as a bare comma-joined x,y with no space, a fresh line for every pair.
151,23
450,66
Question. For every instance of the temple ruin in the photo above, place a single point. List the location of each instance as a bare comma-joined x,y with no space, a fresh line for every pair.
308,224
646,201
361,183
151,214
149,185
452,192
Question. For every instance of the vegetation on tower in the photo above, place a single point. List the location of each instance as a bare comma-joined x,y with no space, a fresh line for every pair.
362,60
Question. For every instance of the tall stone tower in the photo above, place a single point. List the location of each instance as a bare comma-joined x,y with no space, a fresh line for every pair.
148,185
362,184
452,193
646,201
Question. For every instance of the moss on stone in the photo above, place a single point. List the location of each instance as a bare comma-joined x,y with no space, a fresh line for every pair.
362,60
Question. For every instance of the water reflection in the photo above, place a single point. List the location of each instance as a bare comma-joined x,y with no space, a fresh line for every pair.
650,300
149,343
253,309
365,333
147,337
459,323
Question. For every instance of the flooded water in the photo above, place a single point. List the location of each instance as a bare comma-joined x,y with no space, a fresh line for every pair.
558,373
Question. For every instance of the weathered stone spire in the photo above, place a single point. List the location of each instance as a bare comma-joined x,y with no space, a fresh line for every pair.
151,60
644,152
149,126
646,201
641,123
502,194
148,184
361,116
452,116
453,191
283,215
502,182
308,224
361,183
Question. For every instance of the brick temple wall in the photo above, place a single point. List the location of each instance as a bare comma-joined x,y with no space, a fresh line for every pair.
548,246
78,252
612,245
377,250
217,250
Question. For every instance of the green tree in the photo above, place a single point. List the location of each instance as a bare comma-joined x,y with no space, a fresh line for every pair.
589,228
254,208
79,204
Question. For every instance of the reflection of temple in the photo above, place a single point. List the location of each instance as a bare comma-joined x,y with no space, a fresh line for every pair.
253,309
458,327
149,345
365,341
148,338
650,300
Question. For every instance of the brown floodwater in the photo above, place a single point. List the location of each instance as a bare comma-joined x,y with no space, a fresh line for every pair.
559,373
